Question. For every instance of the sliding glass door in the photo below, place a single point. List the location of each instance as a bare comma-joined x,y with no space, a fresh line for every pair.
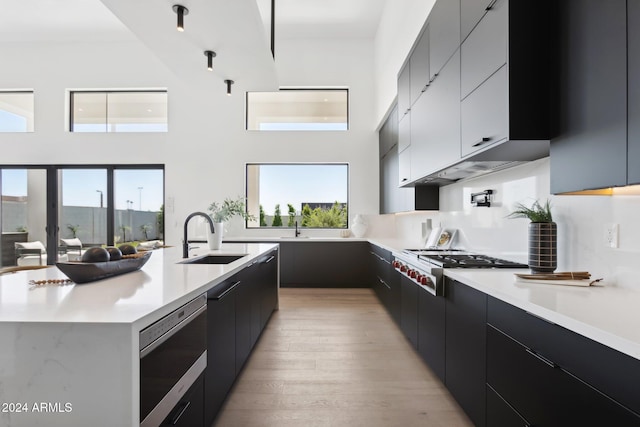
63,209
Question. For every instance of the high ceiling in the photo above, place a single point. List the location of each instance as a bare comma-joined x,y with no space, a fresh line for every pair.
91,20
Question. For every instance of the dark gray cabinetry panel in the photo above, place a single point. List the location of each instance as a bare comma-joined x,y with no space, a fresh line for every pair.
444,34
543,392
500,413
409,310
612,373
471,11
633,34
327,264
419,64
591,148
465,348
431,331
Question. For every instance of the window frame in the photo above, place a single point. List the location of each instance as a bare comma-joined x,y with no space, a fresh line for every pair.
71,110
300,89
33,112
286,227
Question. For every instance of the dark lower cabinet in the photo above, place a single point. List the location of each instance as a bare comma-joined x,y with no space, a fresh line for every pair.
409,310
500,413
431,331
221,352
543,392
238,309
465,348
189,412
326,264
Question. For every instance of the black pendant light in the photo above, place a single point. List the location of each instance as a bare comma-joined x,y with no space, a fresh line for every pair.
181,11
210,55
229,83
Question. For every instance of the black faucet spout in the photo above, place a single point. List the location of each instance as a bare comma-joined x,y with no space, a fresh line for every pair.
297,231
185,240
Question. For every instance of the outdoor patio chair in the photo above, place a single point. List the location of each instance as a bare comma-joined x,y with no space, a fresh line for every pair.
34,253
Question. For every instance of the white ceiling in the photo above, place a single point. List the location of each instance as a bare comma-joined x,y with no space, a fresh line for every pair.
90,20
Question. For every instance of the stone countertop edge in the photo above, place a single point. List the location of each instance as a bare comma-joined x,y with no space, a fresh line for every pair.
138,298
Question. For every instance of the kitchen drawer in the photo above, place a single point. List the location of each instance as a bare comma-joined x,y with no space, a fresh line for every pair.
485,114
500,413
613,373
544,393
382,253
486,48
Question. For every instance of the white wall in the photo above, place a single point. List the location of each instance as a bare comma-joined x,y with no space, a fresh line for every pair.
581,223
206,147
399,27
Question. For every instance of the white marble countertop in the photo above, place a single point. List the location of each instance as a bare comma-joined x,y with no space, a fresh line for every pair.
138,298
606,314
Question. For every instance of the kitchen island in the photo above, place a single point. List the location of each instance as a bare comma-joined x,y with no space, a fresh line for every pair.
70,353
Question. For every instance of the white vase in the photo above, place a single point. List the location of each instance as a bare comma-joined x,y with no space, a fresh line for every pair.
359,227
214,240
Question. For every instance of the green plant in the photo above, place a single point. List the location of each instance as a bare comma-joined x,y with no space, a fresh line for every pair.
22,229
306,215
146,228
228,209
160,220
74,229
263,221
292,215
277,218
536,213
124,229
334,217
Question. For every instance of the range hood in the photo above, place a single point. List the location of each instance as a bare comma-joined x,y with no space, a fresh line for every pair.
495,158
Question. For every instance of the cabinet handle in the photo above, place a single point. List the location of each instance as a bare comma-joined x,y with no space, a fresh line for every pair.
541,358
490,6
484,140
405,179
176,417
433,78
271,258
226,292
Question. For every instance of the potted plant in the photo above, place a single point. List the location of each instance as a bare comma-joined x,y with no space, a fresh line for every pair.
543,234
222,212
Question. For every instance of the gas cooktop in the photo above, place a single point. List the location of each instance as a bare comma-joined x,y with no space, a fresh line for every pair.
454,258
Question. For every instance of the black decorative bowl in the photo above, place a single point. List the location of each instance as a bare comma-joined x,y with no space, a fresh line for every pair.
84,272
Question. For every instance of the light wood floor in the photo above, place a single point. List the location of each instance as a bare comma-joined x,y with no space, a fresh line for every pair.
334,357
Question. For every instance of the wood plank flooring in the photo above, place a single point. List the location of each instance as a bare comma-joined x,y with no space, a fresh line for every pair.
334,357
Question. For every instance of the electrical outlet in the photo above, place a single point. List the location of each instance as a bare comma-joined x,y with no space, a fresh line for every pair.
611,232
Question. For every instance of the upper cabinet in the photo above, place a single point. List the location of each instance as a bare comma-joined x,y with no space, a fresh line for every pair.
633,33
489,83
404,91
591,150
471,11
444,34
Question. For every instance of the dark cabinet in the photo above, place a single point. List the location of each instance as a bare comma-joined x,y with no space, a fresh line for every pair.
465,348
431,331
238,309
591,149
543,392
444,34
189,412
633,90
409,310
597,366
385,280
221,349
500,413
327,264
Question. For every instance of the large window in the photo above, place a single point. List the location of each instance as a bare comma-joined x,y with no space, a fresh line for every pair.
314,195
298,110
16,111
131,111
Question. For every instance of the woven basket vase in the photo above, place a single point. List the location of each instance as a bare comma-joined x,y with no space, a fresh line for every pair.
543,243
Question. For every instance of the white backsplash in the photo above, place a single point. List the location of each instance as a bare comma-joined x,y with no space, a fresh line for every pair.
581,223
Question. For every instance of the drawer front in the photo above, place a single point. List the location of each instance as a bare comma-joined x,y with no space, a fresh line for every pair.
485,114
486,48
500,413
613,373
545,394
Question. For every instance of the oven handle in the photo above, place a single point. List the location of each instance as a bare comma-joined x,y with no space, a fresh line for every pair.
148,349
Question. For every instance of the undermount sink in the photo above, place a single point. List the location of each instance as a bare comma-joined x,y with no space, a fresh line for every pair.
213,259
